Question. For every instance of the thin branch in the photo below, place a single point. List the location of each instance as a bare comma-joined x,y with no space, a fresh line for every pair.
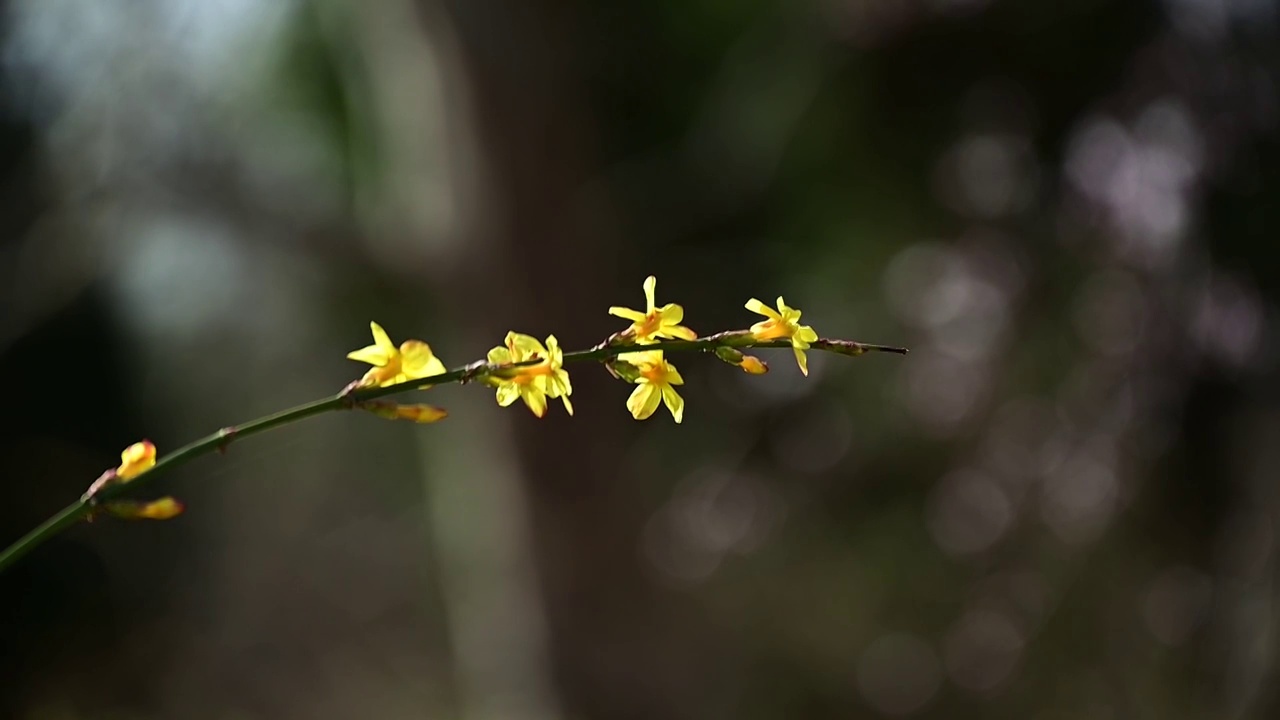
352,396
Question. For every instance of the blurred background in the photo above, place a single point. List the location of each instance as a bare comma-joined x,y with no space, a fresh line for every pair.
1062,504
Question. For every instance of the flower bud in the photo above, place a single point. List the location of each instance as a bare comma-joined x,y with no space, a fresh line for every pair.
135,460
162,509
418,413
729,355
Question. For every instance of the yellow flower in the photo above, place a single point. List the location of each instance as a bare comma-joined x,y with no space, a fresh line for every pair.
135,460
783,323
655,322
418,413
162,509
531,383
657,376
411,361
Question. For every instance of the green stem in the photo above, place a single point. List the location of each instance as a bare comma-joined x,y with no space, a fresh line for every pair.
350,398
65,518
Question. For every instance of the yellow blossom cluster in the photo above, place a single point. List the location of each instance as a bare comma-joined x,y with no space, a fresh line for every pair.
531,372
523,368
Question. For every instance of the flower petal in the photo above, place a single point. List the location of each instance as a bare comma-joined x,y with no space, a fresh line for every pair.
678,331
535,398
499,356
524,347
554,353
770,330
508,393
558,384
650,285
673,375
802,361
417,360
143,452
378,376
627,314
674,402
671,314
136,459
435,367
643,401
380,338
806,335
760,308
641,358
372,354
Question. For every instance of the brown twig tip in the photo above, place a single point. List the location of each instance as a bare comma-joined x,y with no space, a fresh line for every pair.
226,436
887,349
854,349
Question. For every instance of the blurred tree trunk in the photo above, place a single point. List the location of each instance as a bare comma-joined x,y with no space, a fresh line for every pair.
549,264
